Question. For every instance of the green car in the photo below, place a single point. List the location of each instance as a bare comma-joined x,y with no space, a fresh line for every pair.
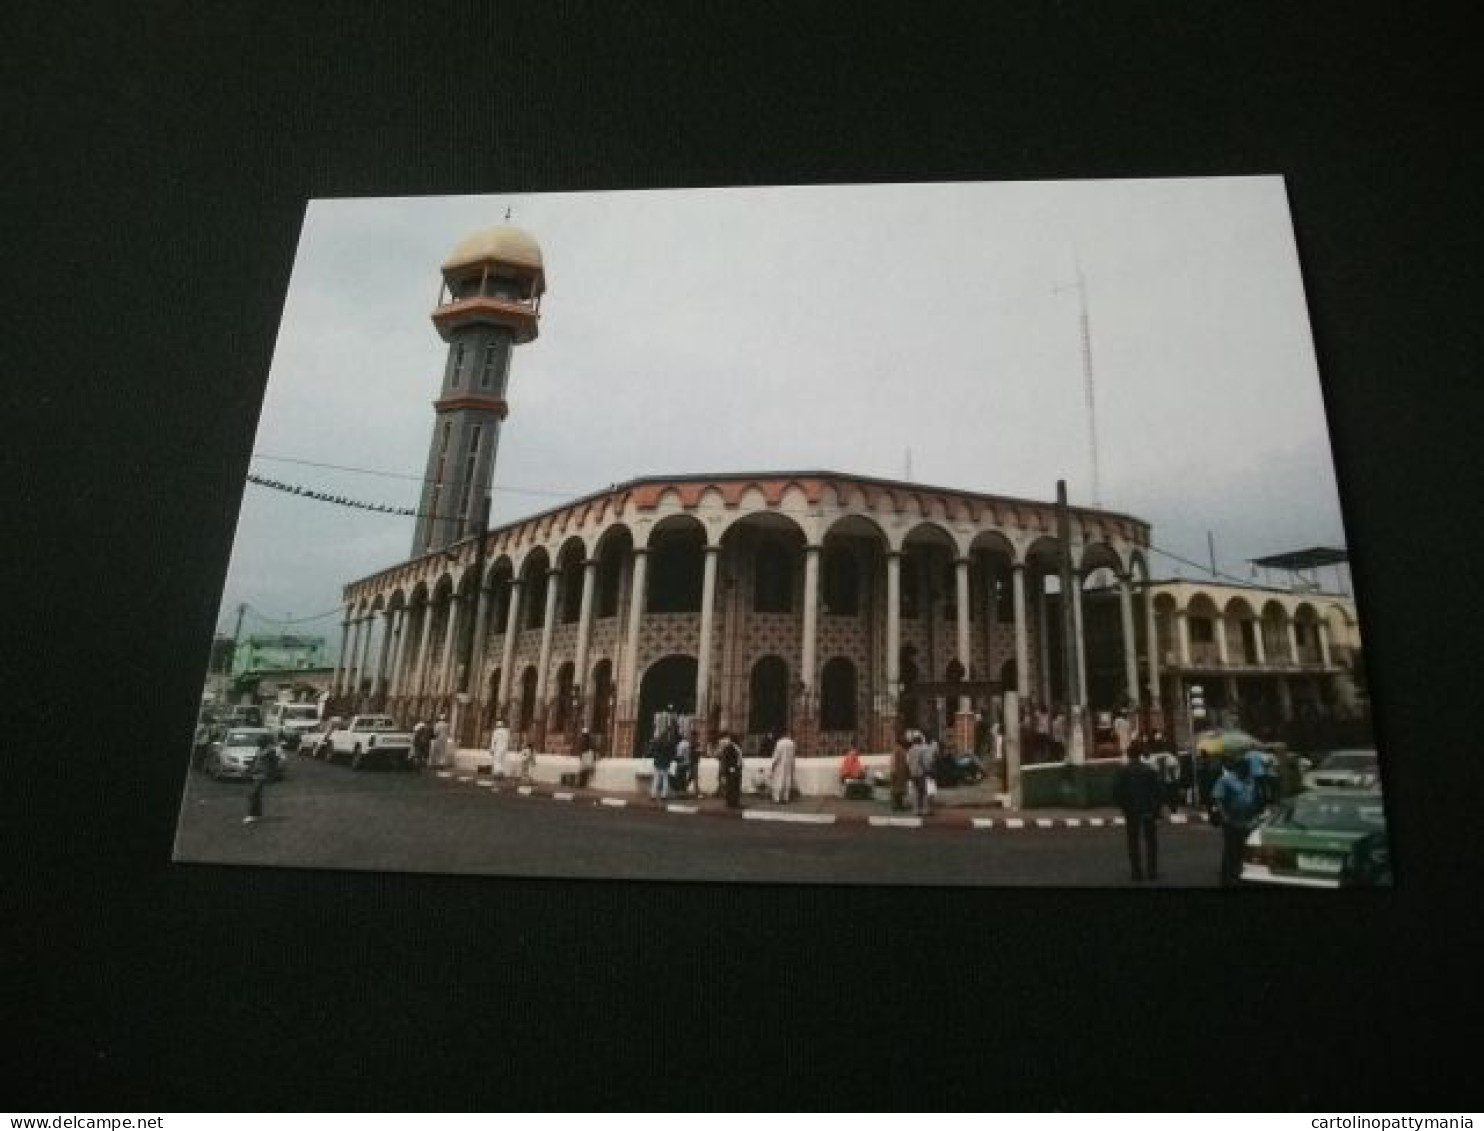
1308,840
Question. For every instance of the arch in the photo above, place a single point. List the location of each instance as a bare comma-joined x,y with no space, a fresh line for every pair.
837,695
668,682
570,563
613,551
855,526
1100,555
767,696
601,697
561,707
840,577
526,715
676,566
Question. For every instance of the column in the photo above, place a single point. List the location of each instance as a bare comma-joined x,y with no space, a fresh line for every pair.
553,584
965,719
1151,629
399,654
1293,652
888,716
507,654
629,687
1043,639
1022,649
703,647
349,673
419,681
585,623
450,634
1323,627
1130,644
1218,628
364,659
1081,638
335,680
806,723
1285,700
1182,623
481,627
378,684
1261,648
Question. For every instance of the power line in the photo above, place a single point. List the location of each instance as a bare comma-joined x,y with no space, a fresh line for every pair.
546,492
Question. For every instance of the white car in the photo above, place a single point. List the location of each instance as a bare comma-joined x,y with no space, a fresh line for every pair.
1345,769
369,739
237,753
290,722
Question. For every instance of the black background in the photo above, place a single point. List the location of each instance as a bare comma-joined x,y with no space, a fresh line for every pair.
163,151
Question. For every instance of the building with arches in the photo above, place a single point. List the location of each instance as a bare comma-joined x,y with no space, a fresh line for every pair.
817,601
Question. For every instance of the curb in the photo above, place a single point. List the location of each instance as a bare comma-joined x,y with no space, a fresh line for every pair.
944,818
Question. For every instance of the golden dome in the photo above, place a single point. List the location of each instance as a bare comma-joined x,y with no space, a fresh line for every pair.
503,244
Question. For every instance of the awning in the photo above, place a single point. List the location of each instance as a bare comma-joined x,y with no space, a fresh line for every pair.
1296,560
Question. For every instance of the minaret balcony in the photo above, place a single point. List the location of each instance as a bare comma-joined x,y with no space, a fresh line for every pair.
519,315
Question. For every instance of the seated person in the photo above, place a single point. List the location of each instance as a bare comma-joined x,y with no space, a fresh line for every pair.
851,768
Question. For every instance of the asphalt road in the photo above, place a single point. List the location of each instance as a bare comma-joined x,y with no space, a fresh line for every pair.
332,817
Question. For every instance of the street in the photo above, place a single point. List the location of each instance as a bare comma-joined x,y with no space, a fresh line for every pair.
326,816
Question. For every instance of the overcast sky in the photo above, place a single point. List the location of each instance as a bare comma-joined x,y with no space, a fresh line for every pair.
834,328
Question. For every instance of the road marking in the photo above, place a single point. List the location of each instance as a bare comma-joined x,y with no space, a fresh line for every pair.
896,822
464,777
561,797
1015,822
1095,822
1073,822
793,818
445,773
485,784
615,802
525,790
1119,821
982,822
672,808
1178,819
1044,822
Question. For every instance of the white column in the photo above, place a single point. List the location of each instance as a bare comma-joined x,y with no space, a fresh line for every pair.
1081,638
339,676
553,583
378,685
990,612
965,655
1151,629
893,627
1130,644
364,659
507,654
1022,645
811,619
1324,643
703,648
1182,623
585,622
629,688
349,673
1293,652
481,627
1219,629
419,682
450,634
1043,639
399,654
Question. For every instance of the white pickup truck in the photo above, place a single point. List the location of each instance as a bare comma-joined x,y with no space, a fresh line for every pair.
371,738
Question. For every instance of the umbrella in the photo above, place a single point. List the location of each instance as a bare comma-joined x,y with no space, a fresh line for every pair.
1220,742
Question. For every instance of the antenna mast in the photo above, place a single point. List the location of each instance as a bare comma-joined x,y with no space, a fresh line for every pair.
1087,383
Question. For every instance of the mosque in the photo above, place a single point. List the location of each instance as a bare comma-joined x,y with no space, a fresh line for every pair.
839,607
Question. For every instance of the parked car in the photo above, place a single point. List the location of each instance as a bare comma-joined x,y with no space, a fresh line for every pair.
1345,769
233,757
316,742
372,740
1307,840
289,722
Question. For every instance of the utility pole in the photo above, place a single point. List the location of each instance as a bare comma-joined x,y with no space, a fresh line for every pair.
1072,685
232,657
1087,382
1211,549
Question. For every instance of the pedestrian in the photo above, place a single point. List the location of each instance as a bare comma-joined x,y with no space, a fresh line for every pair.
1236,807
1137,792
440,741
500,750
730,756
527,759
1167,767
1123,732
899,773
680,777
1059,734
661,757
1258,766
422,739
587,757
264,769
919,766
781,768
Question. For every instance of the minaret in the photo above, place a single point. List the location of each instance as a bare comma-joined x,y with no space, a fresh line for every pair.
489,302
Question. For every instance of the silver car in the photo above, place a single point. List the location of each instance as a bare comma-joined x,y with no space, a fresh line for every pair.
234,756
1345,769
